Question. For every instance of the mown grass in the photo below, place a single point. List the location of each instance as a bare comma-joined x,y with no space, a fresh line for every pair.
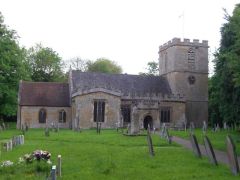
110,155
218,139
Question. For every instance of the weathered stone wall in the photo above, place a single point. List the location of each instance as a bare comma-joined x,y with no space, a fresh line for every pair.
30,116
85,107
185,65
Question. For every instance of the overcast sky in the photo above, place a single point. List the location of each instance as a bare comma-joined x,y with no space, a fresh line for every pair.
126,31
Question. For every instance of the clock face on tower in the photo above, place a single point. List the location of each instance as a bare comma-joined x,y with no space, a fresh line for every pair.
191,79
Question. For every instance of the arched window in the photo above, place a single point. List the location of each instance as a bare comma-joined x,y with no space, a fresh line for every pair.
62,116
42,116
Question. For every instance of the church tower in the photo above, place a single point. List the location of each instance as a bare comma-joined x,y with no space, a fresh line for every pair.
185,65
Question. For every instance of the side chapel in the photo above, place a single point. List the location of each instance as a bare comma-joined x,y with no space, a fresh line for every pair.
178,95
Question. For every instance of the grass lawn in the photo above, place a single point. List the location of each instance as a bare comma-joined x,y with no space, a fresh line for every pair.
218,139
110,155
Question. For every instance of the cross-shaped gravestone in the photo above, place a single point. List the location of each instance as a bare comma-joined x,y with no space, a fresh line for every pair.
195,146
209,150
149,141
232,155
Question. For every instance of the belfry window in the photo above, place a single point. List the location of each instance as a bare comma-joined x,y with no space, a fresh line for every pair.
62,116
42,115
99,110
165,114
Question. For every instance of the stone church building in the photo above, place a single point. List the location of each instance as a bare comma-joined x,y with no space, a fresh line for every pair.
178,95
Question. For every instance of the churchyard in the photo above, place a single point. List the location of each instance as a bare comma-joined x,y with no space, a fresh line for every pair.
109,154
218,138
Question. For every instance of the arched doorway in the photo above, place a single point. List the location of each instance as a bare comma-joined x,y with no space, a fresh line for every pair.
148,121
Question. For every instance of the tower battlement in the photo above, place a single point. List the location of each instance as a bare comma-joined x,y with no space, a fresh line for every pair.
185,42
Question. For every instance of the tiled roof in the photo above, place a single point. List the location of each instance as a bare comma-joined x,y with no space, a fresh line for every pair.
124,83
44,94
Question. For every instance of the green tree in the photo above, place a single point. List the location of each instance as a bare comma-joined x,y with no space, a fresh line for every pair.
224,91
104,65
46,65
13,68
152,69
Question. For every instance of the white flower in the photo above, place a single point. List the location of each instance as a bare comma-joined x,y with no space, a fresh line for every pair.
6,163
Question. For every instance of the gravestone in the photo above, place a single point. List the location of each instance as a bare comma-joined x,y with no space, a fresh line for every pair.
163,131
149,141
192,127
225,126
195,146
53,173
204,128
26,127
168,137
3,126
46,131
232,155
209,150
135,121
59,166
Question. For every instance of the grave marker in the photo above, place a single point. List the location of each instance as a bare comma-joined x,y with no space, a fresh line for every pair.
232,155
53,173
192,127
210,151
46,132
149,141
59,166
195,146
204,128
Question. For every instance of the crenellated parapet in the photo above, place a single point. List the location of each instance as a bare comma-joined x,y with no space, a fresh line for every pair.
185,42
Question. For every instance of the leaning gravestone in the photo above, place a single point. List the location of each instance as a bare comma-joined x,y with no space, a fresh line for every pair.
210,151
195,146
149,141
232,155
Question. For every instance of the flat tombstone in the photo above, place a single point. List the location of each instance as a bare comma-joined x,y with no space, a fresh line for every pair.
149,140
232,155
195,146
210,151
